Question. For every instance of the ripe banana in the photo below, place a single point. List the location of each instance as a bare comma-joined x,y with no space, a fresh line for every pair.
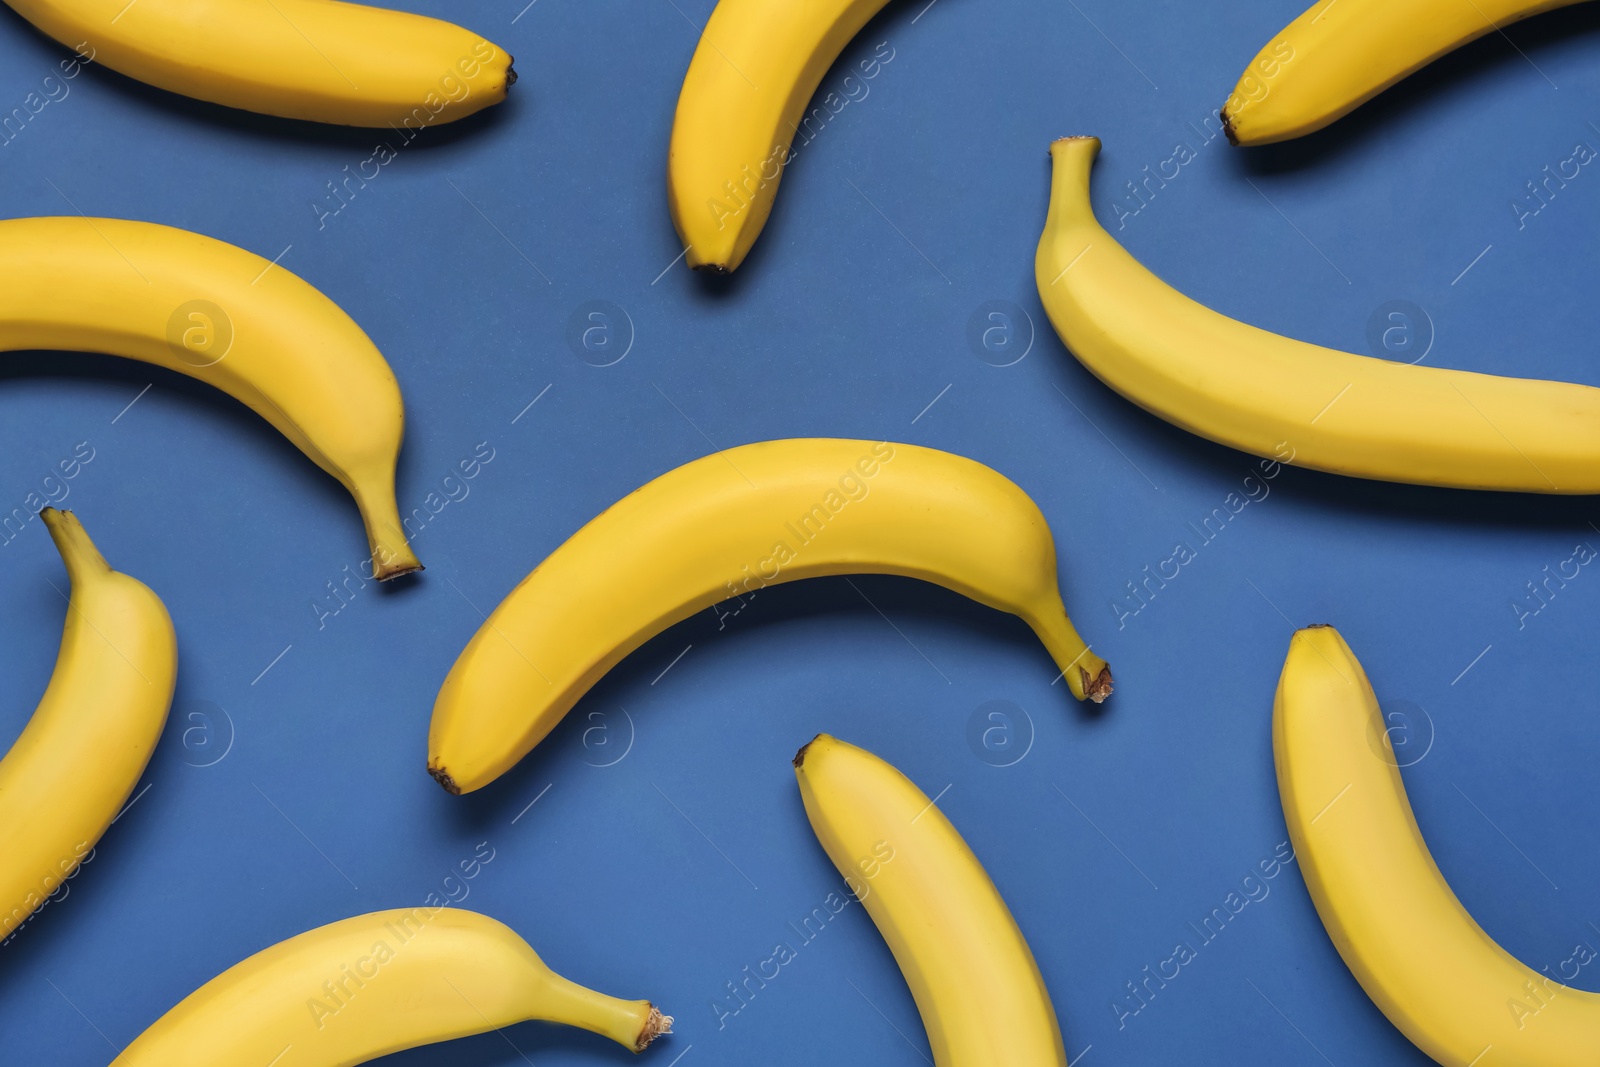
361,988
1422,959
81,754
1342,53
726,526
320,60
975,982
748,86
228,318
1270,395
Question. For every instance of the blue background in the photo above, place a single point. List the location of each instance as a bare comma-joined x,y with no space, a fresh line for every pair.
665,873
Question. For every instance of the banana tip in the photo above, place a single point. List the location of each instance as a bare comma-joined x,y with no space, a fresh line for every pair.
389,572
511,71
1227,127
1100,687
1094,142
62,525
654,1026
77,549
442,776
800,757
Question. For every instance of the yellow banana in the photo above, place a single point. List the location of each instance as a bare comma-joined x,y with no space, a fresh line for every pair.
321,60
1422,959
81,754
741,108
1342,53
361,988
228,318
1280,398
975,982
726,526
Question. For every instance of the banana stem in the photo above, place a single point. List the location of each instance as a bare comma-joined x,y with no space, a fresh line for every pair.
83,560
632,1024
1072,158
1087,675
380,514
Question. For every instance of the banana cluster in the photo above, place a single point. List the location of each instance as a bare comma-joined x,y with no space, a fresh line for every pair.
746,518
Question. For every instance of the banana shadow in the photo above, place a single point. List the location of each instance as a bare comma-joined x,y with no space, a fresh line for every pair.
534,1041
33,599
1518,47
1205,462
248,125
99,886
800,605
120,380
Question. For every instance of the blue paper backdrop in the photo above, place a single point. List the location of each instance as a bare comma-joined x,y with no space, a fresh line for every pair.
667,872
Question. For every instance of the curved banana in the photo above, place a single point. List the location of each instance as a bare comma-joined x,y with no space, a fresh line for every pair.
1340,54
740,113
228,318
361,988
1284,399
1432,970
975,982
81,754
726,526
320,60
